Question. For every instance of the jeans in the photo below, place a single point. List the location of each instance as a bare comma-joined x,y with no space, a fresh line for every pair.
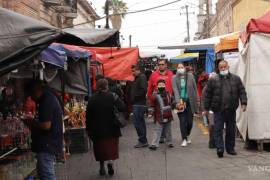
229,118
159,128
139,122
45,166
186,121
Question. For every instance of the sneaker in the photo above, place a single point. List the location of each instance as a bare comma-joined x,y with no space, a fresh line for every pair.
170,145
153,148
110,169
141,145
184,143
188,140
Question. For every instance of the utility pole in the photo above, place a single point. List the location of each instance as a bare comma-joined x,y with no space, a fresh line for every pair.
130,43
208,19
107,14
188,25
188,34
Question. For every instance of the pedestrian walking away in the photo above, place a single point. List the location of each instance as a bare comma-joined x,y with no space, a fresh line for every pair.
138,100
161,72
186,98
161,102
222,96
46,129
101,126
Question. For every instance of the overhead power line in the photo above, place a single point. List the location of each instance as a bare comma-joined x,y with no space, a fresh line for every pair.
133,12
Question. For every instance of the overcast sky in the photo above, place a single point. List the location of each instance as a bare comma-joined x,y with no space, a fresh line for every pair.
162,26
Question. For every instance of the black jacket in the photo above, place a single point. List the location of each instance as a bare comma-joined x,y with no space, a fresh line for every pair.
213,93
100,116
139,90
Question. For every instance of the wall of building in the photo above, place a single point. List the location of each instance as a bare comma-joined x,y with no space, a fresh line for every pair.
244,10
82,18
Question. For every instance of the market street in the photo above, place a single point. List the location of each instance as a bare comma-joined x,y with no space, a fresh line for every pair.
189,163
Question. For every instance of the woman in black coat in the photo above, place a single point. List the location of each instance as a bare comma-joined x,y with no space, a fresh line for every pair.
101,127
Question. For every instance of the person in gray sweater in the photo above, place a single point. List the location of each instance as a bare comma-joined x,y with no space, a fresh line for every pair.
186,98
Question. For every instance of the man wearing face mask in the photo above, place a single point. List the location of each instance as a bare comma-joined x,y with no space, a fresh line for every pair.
222,96
186,97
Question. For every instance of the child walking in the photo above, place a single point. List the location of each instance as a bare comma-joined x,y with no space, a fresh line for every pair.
161,102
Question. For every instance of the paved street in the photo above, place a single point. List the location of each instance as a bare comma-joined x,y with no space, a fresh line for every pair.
190,163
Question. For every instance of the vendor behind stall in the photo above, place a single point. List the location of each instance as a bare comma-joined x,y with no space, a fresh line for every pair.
8,100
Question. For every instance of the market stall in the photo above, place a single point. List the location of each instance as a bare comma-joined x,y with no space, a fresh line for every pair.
253,69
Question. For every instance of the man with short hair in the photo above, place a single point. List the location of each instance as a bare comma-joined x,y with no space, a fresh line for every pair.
138,101
46,130
222,96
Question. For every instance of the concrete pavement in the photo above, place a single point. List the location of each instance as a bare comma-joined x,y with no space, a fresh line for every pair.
190,163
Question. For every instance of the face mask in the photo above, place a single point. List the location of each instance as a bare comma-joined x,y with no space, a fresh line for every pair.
181,71
161,71
224,73
161,89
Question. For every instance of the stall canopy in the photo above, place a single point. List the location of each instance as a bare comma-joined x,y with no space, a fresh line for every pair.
253,69
22,38
203,43
76,77
184,58
257,25
228,43
116,62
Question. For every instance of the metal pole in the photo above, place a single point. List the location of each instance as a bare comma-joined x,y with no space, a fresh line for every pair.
188,29
130,38
107,26
208,19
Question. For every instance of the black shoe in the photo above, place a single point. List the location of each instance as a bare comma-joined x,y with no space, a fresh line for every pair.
110,169
161,141
220,153
211,146
102,172
170,145
232,153
141,145
153,148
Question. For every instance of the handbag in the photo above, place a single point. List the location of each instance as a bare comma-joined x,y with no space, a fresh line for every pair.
120,119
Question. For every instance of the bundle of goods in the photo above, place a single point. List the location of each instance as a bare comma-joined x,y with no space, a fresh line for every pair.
75,111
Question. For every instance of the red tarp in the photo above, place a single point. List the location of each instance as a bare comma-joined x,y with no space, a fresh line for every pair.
261,24
116,62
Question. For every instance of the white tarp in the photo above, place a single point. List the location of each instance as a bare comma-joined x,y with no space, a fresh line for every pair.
233,59
254,68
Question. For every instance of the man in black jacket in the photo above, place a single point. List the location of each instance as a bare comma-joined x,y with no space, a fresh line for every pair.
138,100
222,96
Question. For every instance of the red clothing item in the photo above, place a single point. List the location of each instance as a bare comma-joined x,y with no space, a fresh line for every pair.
199,84
30,105
155,76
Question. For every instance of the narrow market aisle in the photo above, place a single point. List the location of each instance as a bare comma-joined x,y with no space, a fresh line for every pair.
193,162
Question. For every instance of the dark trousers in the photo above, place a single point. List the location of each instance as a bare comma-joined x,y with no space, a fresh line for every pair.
139,122
227,117
186,121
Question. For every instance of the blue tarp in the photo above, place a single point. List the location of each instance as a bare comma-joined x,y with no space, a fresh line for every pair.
55,57
71,51
210,57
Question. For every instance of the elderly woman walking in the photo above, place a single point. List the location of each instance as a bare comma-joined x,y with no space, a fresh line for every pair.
101,126
186,97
